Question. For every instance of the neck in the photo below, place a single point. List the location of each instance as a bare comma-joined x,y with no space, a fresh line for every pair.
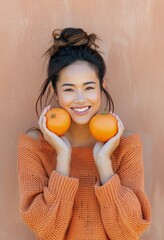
79,135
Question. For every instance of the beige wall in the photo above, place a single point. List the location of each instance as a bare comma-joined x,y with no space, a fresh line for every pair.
133,36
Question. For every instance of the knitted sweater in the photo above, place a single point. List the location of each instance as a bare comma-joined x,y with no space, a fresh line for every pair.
78,207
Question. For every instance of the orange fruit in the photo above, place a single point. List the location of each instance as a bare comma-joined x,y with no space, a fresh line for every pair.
58,120
103,126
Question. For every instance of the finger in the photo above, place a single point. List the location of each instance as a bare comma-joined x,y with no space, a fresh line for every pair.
122,126
121,129
47,108
44,126
56,140
121,123
42,114
119,132
115,115
112,113
119,120
45,130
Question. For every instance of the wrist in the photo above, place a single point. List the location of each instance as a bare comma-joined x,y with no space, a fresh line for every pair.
64,156
105,170
63,164
64,172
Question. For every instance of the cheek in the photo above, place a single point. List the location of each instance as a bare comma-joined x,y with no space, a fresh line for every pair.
96,97
99,100
64,100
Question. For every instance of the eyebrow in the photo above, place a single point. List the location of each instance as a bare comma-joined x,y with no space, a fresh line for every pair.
69,84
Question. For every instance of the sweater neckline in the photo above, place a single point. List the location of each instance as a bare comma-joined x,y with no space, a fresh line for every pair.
38,142
123,141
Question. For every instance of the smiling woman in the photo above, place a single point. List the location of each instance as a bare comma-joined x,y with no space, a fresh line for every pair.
83,97
73,186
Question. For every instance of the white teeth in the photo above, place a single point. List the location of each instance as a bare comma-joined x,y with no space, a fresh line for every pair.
80,109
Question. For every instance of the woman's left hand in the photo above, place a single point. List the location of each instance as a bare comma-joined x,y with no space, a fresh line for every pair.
104,150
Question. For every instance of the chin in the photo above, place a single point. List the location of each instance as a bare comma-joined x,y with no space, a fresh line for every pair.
82,122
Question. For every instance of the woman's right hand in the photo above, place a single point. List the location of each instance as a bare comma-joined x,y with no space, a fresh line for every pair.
60,144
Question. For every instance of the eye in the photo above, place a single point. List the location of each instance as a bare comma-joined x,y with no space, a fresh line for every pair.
68,90
89,88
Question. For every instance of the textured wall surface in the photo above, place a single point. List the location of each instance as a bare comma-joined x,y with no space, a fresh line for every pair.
133,40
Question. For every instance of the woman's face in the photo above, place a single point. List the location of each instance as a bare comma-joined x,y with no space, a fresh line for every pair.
78,91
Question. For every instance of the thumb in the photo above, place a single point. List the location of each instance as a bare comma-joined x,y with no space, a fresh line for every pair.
64,138
96,148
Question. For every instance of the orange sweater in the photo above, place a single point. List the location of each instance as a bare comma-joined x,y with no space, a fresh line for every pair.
58,207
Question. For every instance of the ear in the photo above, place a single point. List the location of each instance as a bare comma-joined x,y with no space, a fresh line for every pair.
51,88
55,95
56,98
53,92
104,83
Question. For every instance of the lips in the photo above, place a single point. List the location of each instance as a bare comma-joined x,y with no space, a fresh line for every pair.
80,109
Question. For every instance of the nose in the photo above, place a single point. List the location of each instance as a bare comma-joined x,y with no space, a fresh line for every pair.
80,98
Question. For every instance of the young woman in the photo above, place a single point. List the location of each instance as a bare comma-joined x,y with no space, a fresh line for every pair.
74,187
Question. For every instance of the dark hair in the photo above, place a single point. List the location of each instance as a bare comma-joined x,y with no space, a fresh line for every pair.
70,45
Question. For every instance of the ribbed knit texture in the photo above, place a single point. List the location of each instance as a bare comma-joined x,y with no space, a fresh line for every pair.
78,207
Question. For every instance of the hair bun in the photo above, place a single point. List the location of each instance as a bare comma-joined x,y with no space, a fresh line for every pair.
73,37
91,40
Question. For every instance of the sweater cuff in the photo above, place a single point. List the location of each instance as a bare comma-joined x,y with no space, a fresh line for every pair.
62,187
108,192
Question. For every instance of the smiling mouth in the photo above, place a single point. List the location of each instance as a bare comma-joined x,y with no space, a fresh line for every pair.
81,109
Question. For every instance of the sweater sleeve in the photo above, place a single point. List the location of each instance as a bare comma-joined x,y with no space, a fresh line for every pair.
124,206
46,203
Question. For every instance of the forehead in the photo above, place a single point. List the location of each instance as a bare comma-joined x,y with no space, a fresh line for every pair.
78,72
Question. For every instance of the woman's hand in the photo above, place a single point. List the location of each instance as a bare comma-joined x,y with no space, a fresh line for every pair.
60,144
104,150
